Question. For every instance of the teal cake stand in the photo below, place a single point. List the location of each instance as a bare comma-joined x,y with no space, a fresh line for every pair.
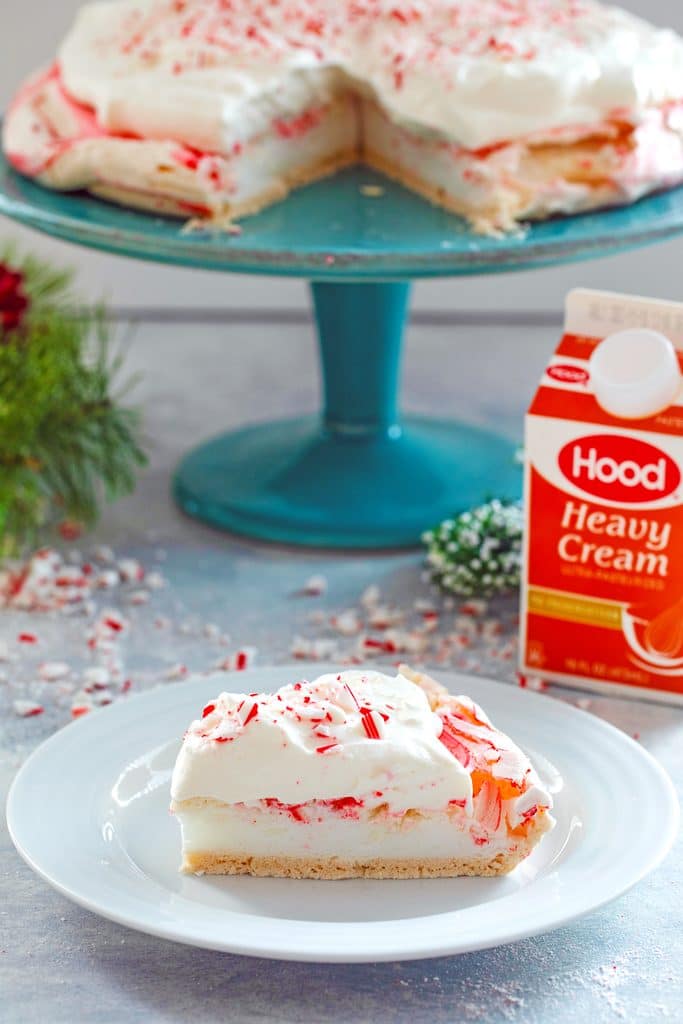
359,475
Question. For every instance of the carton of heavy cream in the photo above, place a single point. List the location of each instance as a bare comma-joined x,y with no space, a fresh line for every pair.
602,588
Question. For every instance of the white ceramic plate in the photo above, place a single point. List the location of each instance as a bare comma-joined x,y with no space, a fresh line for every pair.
89,812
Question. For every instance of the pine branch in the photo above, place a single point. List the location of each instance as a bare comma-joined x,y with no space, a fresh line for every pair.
478,553
66,442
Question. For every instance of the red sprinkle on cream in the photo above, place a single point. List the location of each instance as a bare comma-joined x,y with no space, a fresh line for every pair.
351,694
252,714
293,810
455,746
369,724
343,804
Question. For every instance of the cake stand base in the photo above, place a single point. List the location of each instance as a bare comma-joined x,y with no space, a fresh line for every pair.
296,482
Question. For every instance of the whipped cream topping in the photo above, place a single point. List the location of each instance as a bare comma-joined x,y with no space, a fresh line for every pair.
210,73
353,734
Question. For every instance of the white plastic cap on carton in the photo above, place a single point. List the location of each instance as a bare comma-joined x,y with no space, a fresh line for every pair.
635,373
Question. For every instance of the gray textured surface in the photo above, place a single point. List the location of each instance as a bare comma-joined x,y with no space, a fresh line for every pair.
61,964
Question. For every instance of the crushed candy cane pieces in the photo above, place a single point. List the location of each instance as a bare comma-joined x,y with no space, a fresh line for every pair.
130,570
430,629
97,675
178,671
27,708
53,670
315,586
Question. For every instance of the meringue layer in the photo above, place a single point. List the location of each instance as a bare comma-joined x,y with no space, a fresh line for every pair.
498,110
209,72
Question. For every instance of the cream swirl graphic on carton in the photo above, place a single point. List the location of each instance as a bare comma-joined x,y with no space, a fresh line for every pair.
602,592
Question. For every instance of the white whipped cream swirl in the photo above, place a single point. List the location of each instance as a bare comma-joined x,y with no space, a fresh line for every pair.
211,73
354,734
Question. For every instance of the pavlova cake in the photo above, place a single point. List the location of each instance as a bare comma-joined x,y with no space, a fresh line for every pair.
355,774
500,110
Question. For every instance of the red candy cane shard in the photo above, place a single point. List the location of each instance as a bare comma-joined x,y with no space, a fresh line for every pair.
369,724
252,714
352,695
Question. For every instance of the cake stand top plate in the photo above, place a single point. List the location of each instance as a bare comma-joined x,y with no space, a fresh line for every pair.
337,229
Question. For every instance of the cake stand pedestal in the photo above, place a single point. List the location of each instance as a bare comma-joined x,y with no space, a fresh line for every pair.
360,475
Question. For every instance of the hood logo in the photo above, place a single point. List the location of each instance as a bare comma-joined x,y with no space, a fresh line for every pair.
568,374
620,469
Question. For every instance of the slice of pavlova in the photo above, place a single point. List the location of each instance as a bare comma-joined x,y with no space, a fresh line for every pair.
354,774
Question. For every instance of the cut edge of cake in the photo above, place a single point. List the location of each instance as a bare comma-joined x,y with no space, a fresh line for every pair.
51,137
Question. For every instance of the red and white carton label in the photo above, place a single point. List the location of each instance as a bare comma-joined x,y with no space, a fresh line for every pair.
602,589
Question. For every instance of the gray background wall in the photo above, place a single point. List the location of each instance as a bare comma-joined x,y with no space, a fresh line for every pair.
31,31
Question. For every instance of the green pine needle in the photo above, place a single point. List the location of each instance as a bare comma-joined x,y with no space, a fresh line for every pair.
479,553
65,442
